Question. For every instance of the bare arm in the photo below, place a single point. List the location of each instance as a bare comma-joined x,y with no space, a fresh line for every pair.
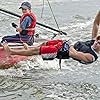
96,25
86,57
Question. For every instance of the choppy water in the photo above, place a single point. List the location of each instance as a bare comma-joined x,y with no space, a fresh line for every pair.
41,80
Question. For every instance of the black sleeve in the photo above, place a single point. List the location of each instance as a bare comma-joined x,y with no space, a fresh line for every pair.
89,42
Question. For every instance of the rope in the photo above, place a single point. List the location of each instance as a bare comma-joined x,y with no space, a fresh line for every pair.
42,10
54,16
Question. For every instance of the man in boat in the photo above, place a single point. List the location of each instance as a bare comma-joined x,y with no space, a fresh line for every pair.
27,26
84,52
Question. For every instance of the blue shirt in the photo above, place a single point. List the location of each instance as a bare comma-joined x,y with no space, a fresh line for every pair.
26,23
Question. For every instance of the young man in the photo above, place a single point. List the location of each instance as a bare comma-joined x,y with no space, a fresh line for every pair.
27,26
84,52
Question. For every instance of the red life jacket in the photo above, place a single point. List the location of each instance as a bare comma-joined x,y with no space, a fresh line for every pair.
31,28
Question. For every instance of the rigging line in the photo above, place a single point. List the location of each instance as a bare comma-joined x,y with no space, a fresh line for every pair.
54,16
42,10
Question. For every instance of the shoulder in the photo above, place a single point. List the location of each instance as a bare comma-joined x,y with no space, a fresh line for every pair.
28,18
90,42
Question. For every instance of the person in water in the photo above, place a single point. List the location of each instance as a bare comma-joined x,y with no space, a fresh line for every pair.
26,28
84,52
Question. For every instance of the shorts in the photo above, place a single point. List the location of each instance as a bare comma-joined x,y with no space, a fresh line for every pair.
50,51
